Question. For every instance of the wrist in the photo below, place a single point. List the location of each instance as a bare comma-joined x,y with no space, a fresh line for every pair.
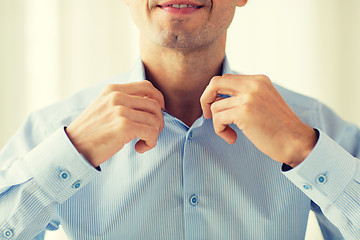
80,147
304,145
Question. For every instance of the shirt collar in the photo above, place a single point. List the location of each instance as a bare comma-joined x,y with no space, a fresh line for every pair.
138,71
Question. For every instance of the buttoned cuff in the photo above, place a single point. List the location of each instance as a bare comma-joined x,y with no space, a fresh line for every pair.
58,168
325,173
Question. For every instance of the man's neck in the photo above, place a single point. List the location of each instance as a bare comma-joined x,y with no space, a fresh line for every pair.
182,76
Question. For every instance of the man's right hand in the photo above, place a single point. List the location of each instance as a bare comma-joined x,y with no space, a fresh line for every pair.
123,112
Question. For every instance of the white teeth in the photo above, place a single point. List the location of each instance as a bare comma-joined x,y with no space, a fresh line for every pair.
180,6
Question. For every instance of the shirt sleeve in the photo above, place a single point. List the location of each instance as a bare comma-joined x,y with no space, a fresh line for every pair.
330,177
35,180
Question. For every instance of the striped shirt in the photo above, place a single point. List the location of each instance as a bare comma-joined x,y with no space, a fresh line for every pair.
192,185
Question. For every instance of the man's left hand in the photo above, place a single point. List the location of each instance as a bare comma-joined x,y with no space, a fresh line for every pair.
257,108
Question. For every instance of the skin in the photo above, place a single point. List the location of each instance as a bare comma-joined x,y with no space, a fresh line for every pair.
183,55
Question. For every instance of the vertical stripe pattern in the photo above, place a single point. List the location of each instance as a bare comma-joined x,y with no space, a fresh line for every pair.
192,185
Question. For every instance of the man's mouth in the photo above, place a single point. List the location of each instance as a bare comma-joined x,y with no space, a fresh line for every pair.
181,6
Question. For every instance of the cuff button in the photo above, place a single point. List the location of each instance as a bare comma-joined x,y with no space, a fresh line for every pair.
76,185
321,179
64,175
8,233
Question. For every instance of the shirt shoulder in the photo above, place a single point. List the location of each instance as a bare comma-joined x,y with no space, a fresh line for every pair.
319,116
297,100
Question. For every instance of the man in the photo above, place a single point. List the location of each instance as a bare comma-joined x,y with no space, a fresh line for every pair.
193,153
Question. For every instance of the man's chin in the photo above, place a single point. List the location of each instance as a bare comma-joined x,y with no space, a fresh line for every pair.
180,43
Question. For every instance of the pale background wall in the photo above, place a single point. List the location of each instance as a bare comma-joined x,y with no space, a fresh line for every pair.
52,48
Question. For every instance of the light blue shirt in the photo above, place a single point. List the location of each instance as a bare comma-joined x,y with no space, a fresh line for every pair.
192,185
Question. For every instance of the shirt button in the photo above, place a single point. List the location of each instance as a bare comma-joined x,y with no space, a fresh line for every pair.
321,179
193,200
76,185
64,175
8,233
307,187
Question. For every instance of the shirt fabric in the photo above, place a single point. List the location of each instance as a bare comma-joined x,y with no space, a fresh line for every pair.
192,185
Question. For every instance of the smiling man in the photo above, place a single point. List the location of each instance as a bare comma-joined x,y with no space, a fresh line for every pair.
181,147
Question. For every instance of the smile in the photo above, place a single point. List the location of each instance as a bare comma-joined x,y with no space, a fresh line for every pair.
181,6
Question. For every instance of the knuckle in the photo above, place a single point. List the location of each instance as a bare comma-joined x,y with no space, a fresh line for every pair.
110,88
114,98
215,79
160,124
124,123
156,124
247,99
227,75
216,128
256,86
263,78
147,84
213,108
212,88
120,111
152,144
216,121
155,103
154,131
246,108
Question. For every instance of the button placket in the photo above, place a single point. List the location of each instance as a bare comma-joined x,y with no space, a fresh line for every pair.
190,135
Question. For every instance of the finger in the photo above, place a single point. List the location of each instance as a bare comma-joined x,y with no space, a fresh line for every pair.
141,88
137,103
218,86
143,126
147,138
142,147
233,85
146,134
142,117
221,121
228,134
225,104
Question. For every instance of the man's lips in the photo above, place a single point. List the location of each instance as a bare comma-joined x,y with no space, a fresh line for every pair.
180,5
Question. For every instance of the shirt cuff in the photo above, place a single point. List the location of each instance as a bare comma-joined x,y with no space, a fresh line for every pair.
58,168
325,173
